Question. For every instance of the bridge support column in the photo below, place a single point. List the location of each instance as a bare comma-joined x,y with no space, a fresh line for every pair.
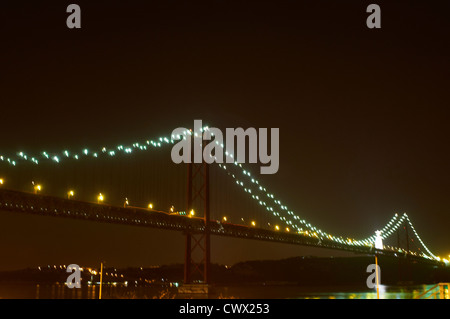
198,242
405,273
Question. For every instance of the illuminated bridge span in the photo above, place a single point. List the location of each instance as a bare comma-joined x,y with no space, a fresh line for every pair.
259,215
136,216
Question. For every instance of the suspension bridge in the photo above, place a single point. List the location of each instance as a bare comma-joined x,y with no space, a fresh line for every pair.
120,184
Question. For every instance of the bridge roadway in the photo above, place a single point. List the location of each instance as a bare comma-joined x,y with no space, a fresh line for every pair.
16,201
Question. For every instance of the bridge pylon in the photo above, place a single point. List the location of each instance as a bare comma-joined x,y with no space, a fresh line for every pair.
405,275
197,248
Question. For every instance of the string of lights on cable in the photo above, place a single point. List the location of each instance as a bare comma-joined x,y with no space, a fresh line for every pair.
243,179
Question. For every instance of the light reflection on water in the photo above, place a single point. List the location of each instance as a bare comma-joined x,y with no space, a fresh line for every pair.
60,291
385,292
295,292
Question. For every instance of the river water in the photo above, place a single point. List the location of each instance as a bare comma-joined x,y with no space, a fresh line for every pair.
60,291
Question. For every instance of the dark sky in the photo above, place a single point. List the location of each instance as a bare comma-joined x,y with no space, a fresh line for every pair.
363,114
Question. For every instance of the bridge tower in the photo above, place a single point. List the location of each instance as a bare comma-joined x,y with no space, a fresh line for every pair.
404,263
197,249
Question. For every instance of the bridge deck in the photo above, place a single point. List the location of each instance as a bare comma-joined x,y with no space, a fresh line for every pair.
11,200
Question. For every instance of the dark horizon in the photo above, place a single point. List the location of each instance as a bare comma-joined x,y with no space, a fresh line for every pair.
363,114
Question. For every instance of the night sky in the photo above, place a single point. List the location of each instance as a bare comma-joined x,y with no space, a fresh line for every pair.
363,113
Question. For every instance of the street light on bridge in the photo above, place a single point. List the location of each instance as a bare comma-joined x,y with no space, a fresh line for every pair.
37,188
253,223
126,203
100,198
70,194
150,206
1,181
